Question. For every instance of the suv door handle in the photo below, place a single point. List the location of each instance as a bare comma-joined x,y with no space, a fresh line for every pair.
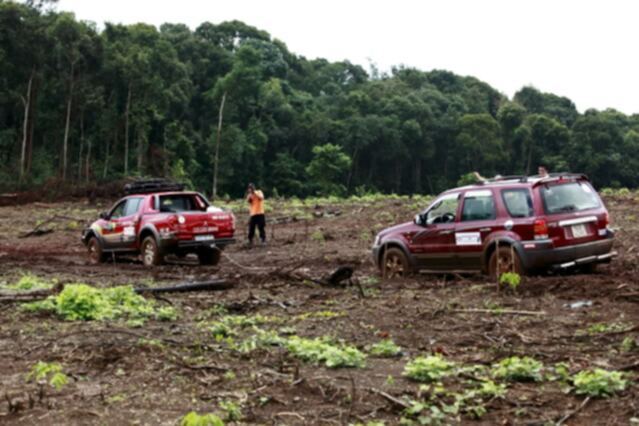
485,229
445,232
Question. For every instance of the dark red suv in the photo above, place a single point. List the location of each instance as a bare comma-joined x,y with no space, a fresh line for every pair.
512,224
157,220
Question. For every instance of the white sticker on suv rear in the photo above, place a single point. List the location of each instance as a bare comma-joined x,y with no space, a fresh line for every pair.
468,238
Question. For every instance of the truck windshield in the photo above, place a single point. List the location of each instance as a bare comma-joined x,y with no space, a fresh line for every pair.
181,203
569,197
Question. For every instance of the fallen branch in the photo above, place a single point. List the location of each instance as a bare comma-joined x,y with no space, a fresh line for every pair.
212,285
37,231
573,412
29,296
498,312
390,398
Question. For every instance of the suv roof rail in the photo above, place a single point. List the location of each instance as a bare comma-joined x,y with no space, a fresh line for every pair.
561,175
503,178
145,186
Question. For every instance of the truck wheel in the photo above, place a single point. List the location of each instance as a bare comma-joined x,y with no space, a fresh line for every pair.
151,253
209,256
508,262
394,264
96,254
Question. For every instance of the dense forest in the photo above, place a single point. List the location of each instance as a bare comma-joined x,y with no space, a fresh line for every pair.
80,104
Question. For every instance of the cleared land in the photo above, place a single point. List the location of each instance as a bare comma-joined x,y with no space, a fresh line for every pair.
239,348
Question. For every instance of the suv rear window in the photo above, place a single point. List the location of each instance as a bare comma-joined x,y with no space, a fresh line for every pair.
518,202
569,197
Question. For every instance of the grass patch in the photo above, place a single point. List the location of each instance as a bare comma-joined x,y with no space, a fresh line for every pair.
516,369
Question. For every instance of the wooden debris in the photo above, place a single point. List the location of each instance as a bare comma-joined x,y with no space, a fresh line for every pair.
212,285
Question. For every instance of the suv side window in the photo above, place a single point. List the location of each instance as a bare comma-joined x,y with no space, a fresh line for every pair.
478,205
443,210
132,206
518,202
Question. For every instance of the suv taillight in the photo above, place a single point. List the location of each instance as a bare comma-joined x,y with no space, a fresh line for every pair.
606,219
541,229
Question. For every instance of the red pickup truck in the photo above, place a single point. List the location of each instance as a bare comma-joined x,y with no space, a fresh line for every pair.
160,223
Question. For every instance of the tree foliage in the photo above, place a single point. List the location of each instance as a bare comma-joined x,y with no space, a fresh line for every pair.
89,105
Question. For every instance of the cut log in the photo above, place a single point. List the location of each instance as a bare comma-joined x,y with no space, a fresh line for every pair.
212,285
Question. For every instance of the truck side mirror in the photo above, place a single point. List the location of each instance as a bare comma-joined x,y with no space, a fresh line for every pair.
419,219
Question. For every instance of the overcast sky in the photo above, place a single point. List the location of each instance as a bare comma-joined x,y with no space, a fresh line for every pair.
585,50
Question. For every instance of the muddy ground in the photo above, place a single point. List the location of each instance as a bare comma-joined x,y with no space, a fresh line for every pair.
156,373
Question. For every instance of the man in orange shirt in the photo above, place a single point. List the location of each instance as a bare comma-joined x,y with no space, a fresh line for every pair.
255,198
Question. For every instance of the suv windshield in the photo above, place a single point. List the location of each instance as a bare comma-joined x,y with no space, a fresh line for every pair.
569,197
181,203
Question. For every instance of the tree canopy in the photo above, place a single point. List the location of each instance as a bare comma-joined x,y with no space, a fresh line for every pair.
86,105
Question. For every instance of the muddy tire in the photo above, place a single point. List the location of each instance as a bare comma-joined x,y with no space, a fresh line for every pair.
394,264
96,254
151,253
508,262
209,256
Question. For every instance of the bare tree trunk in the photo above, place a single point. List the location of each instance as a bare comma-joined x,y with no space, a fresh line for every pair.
25,125
418,175
87,164
106,156
81,146
217,147
126,132
65,144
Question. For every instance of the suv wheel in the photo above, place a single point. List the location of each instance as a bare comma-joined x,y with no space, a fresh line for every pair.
96,254
151,254
209,256
394,264
508,260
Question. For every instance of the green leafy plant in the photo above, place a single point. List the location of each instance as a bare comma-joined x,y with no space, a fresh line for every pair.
323,351
51,373
599,382
602,328
628,344
233,411
195,419
85,303
429,368
30,282
518,369
512,279
385,348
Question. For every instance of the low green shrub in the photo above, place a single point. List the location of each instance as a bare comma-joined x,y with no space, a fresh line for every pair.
195,419
323,351
518,369
385,348
429,369
48,372
81,302
599,382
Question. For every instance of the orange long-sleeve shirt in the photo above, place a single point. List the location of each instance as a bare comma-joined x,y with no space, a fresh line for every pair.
256,201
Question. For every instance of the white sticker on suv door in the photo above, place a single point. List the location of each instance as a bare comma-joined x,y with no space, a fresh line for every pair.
468,238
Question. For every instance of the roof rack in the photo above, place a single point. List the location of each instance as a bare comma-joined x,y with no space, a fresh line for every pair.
145,186
561,175
503,178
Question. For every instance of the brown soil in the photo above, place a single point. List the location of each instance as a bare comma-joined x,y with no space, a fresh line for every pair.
157,373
